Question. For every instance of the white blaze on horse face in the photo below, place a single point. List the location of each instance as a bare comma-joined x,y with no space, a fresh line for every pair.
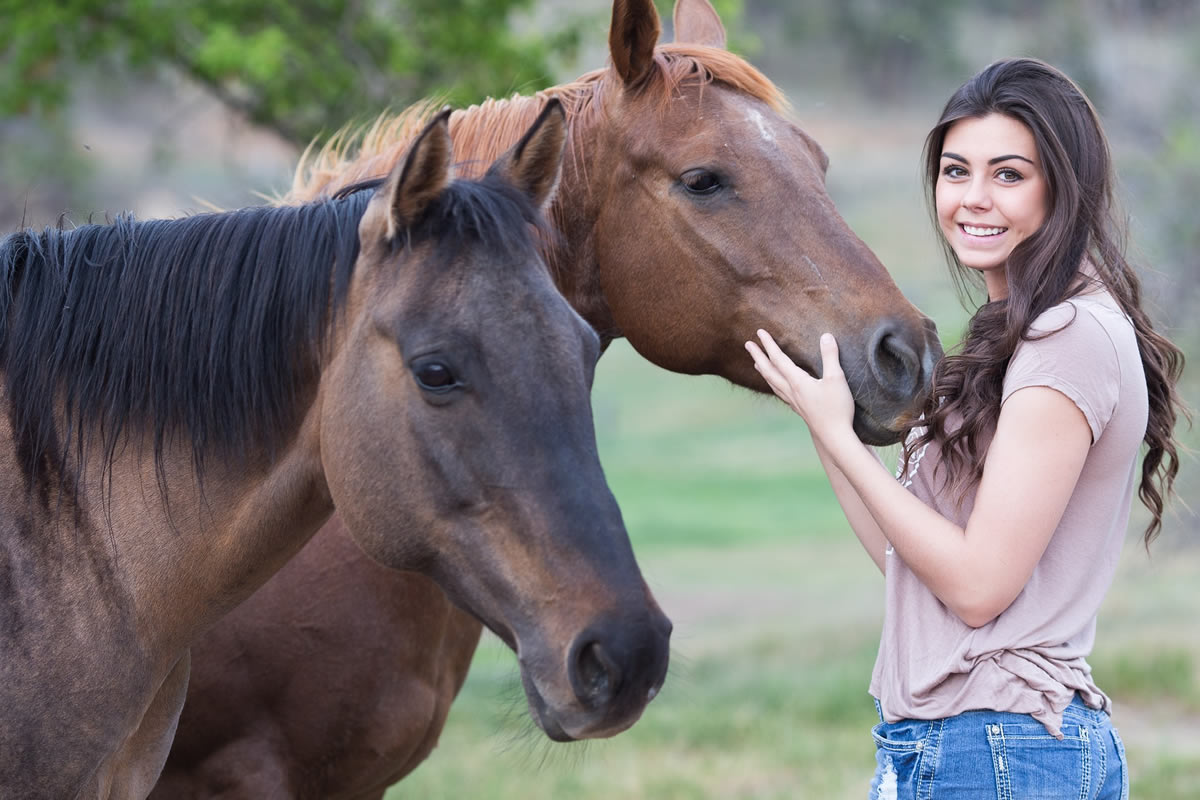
813,264
757,119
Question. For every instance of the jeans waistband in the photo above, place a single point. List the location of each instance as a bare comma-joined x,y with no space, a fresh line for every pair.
1077,710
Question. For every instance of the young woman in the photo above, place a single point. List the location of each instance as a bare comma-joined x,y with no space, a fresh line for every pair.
1001,536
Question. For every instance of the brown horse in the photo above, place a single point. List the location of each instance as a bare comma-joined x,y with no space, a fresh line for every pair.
186,400
691,212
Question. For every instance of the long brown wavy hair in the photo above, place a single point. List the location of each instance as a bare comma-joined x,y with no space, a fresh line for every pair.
1043,271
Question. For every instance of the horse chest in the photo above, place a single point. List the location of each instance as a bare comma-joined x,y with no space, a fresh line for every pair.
69,667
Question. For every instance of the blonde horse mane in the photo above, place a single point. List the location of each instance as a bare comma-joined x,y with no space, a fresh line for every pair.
482,132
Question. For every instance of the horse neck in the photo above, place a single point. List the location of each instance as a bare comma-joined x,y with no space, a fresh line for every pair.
106,552
204,544
206,548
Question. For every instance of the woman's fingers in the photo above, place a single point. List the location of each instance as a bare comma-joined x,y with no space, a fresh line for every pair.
829,357
830,364
767,369
781,361
760,358
771,368
777,356
820,402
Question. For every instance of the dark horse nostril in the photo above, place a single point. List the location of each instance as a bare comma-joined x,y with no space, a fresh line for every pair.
595,677
895,364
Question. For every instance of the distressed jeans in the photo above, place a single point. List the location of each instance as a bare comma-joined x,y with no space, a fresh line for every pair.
993,755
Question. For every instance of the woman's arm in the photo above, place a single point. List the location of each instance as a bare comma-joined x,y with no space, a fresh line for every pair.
1033,463
862,522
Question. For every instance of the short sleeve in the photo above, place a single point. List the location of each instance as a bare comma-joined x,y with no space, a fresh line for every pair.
1072,353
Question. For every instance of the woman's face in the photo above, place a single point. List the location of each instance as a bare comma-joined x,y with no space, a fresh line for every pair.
991,193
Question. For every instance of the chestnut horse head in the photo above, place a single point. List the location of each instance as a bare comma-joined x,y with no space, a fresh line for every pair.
693,211
712,220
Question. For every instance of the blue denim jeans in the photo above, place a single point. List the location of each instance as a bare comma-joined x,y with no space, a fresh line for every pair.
993,755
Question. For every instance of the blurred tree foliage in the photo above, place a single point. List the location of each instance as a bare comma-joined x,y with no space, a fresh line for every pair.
40,170
298,67
885,46
890,47
1165,184
893,42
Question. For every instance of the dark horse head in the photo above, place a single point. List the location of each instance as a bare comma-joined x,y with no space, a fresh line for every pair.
402,354
457,410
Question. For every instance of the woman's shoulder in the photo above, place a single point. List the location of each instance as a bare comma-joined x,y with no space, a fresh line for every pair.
1086,348
1089,318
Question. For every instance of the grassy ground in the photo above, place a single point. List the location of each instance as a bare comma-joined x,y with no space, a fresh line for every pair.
777,613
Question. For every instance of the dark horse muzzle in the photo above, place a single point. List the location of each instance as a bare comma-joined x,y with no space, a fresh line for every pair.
614,668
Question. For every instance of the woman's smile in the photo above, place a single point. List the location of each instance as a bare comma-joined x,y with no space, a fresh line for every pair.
982,232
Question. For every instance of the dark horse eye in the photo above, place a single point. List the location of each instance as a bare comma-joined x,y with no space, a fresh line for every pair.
434,375
700,181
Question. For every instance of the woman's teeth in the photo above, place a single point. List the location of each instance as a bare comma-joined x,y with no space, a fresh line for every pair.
976,231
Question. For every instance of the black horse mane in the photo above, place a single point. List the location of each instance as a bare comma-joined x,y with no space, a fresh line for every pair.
205,327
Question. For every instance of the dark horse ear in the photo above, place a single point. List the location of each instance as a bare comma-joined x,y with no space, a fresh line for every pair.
532,164
423,175
632,38
696,22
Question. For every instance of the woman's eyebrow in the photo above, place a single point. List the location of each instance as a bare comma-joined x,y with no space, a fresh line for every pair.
991,161
998,159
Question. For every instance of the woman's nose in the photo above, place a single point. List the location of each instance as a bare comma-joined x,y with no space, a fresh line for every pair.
976,195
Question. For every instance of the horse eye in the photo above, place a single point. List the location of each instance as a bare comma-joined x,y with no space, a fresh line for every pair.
700,181
434,375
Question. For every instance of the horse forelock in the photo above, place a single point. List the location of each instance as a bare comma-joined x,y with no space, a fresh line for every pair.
488,215
680,65
202,327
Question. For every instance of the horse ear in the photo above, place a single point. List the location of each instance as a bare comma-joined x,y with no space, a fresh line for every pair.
532,164
632,38
696,22
423,175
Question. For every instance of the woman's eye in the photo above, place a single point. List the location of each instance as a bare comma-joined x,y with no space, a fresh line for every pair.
700,181
954,171
1009,175
434,375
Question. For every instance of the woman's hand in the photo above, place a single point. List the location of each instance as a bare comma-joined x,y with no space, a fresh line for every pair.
825,403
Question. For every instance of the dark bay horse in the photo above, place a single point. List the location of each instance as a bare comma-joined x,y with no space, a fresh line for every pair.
691,211
186,400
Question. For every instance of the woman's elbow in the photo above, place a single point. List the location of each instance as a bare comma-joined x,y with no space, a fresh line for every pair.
979,609
976,617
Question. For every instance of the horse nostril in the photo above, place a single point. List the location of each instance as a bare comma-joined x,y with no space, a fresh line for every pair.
895,364
596,675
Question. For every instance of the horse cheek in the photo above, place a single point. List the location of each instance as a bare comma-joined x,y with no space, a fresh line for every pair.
355,442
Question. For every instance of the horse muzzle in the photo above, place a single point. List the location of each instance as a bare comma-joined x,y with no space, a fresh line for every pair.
890,379
611,672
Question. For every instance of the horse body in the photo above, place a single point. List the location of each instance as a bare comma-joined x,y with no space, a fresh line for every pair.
186,400
95,659
690,212
259,713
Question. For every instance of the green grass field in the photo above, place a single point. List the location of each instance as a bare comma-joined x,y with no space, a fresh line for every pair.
777,613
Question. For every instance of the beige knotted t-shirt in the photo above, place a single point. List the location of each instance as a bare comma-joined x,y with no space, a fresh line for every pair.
1031,659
